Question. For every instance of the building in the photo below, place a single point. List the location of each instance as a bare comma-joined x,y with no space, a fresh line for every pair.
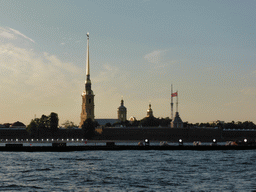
122,112
87,95
149,111
217,122
177,122
103,122
18,125
121,117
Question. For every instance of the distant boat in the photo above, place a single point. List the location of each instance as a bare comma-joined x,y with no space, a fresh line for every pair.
163,143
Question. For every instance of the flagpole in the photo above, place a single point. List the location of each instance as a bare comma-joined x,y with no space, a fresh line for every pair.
171,103
177,102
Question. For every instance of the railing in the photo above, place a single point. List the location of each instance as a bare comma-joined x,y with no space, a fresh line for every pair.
43,140
239,129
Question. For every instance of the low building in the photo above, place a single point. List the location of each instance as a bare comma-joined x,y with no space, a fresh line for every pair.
103,122
18,125
177,122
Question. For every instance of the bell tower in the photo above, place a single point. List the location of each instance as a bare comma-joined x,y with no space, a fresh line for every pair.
121,112
87,95
149,111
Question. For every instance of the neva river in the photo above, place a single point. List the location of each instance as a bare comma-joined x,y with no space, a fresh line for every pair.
129,171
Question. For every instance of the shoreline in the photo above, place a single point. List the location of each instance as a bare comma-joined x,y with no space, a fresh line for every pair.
59,147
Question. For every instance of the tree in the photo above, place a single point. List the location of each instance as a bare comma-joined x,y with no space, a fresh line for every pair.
135,123
88,128
164,122
149,122
68,124
108,125
32,128
53,122
43,126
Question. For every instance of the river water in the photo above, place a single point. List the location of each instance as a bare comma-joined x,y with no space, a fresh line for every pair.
128,171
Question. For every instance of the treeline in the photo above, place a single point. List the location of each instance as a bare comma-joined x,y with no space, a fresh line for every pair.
240,125
44,126
165,122
47,127
228,125
145,122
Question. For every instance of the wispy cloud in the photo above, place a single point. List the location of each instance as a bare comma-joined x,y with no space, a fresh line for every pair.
7,35
160,59
108,72
22,35
233,103
155,56
37,76
249,91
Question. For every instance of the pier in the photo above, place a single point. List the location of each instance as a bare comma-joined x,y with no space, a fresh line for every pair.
66,145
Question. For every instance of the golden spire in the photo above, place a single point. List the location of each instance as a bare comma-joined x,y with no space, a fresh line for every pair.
87,60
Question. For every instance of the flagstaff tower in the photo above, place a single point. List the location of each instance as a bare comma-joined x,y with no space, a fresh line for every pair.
176,122
87,95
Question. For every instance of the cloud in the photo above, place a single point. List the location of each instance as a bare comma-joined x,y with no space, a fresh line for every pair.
234,103
155,56
249,91
22,35
109,72
7,35
35,76
160,59
69,67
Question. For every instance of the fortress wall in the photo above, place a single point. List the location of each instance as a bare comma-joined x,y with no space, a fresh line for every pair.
131,133
233,135
156,133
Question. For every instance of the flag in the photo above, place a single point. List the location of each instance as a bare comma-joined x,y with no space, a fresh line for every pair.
175,94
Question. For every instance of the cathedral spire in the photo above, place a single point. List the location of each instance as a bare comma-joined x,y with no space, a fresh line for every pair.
87,60
87,95
88,80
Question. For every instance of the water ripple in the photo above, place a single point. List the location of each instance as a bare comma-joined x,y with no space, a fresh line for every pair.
129,171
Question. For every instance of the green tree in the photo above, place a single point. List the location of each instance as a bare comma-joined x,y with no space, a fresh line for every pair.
164,122
32,128
135,123
68,124
44,122
44,126
88,128
108,125
53,122
150,122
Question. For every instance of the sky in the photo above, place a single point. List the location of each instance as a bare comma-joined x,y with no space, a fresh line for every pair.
206,49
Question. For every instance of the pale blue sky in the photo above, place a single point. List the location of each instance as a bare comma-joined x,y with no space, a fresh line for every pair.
206,49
